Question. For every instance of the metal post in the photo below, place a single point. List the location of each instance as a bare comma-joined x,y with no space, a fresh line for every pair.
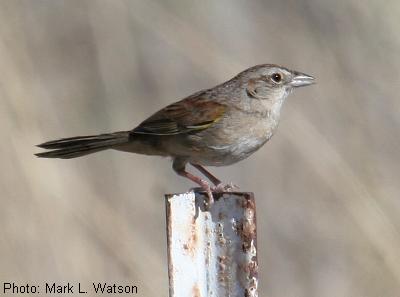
212,252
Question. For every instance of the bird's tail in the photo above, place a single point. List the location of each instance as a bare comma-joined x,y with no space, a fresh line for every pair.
73,147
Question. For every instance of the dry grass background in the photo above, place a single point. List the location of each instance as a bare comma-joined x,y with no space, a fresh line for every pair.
327,185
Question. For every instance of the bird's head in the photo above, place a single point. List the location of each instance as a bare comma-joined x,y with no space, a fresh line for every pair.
272,82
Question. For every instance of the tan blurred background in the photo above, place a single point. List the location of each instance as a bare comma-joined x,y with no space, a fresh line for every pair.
327,185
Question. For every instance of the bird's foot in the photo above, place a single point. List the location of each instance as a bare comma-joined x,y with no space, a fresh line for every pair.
229,187
208,191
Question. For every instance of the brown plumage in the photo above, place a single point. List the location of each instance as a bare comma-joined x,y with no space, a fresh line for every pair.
213,127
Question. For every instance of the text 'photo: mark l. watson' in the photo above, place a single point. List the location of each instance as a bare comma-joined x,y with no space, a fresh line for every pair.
69,288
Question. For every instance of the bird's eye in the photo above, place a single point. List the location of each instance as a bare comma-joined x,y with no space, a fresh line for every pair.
276,77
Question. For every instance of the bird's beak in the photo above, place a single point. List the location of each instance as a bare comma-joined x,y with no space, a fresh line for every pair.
301,80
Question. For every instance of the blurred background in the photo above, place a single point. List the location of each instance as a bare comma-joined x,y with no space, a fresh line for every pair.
327,184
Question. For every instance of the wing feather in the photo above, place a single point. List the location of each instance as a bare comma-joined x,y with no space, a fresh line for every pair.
188,115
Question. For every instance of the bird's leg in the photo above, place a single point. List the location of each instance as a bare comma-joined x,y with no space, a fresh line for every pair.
179,167
219,186
208,174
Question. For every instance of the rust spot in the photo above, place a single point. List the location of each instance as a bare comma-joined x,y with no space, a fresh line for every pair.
247,232
238,227
196,291
190,246
246,228
220,234
248,202
221,240
223,269
252,269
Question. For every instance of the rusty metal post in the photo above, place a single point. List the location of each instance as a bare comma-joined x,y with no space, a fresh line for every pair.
212,252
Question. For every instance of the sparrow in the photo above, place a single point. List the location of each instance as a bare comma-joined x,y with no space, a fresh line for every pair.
214,127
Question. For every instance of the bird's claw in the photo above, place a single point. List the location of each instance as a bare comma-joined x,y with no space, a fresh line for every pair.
229,187
210,200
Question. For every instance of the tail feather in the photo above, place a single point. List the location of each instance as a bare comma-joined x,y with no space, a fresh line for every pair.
72,141
73,147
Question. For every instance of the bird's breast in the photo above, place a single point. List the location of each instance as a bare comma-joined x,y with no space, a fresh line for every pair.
229,142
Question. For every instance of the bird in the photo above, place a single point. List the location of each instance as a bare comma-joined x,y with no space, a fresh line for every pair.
218,126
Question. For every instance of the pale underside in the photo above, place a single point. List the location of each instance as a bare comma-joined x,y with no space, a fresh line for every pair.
222,143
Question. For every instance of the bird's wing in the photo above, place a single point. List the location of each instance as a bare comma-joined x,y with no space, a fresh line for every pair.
188,115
